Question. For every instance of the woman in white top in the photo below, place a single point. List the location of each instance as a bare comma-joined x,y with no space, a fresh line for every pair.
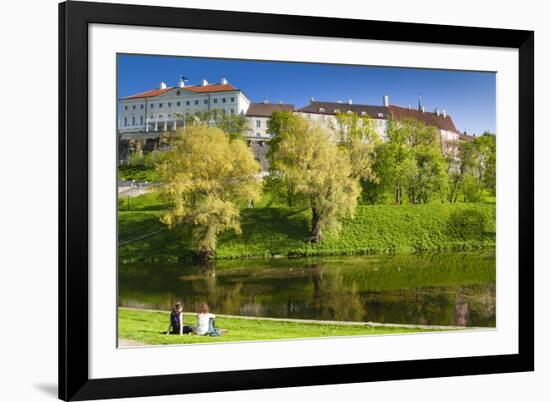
206,323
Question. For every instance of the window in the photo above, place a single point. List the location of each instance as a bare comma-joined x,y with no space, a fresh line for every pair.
206,101
321,109
160,105
126,107
133,107
336,111
196,102
187,103
232,99
141,120
125,121
178,92
169,115
258,135
178,103
232,111
258,123
223,100
152,106
141,106
215,100
160,117
380,115
133,120
169,104
363,113
151,116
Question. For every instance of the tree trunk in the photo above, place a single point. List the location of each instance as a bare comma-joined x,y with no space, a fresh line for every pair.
316,232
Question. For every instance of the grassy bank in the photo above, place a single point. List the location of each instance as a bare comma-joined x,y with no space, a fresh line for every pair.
149,327
282,231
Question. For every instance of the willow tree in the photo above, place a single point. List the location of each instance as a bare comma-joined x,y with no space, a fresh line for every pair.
208,177
319,170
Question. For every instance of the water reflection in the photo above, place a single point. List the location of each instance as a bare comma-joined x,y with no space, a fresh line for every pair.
432,289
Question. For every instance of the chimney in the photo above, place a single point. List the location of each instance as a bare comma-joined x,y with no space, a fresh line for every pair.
280,102
444,113
350,101
437,112
162,85
181,83
266,101
339,101
423,109
223,81
386,100
204,83
409,107
312,99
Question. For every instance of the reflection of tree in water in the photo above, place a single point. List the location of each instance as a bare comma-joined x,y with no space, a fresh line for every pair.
333,298
458,290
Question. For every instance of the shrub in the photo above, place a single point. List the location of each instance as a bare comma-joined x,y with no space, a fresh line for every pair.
467,224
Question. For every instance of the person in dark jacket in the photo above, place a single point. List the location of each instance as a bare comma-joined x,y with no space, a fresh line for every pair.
176,326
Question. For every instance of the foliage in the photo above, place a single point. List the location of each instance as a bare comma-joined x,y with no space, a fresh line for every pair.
233,125
206,189
467,224
149,327
320,171
474,170
358,136
137,173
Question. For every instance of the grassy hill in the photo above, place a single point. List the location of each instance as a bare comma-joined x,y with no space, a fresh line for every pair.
281,231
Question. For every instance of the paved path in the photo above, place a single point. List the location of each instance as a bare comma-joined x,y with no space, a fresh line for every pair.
128,343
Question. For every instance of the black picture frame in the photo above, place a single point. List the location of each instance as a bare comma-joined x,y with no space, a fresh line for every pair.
74,18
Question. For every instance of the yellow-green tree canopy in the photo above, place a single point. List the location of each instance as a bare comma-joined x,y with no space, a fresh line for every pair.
207,177
320,170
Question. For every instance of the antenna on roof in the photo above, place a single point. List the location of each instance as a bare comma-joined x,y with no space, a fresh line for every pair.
419,102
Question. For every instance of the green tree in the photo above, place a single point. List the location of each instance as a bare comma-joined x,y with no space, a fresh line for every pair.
233,125
207,177
474,169
357,134
277,183
319,170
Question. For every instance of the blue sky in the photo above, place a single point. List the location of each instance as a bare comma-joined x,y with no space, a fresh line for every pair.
469,97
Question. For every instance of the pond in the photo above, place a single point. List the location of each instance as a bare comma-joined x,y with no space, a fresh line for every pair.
430,289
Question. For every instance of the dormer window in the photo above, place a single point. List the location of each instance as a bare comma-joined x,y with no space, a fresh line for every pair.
321,109
349,112
336,111
178,92
380,115
363,113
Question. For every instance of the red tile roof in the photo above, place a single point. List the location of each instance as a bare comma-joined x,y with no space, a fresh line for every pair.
194,88
211,88
430,119
149,94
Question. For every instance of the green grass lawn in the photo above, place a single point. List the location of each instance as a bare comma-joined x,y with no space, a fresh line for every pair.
137,172
283,231
149,327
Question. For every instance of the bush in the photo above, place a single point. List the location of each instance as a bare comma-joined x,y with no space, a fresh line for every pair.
467,224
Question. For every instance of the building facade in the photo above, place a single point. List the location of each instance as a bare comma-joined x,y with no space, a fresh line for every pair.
145,115
165,108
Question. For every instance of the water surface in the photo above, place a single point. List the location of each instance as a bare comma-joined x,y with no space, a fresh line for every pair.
431,289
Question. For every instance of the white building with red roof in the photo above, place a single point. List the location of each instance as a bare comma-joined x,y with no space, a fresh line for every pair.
165,108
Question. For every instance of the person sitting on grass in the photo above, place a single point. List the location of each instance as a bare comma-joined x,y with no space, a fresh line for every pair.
176,326
206,324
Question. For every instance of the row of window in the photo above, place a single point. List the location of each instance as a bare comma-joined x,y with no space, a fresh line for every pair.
159,117
159,105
